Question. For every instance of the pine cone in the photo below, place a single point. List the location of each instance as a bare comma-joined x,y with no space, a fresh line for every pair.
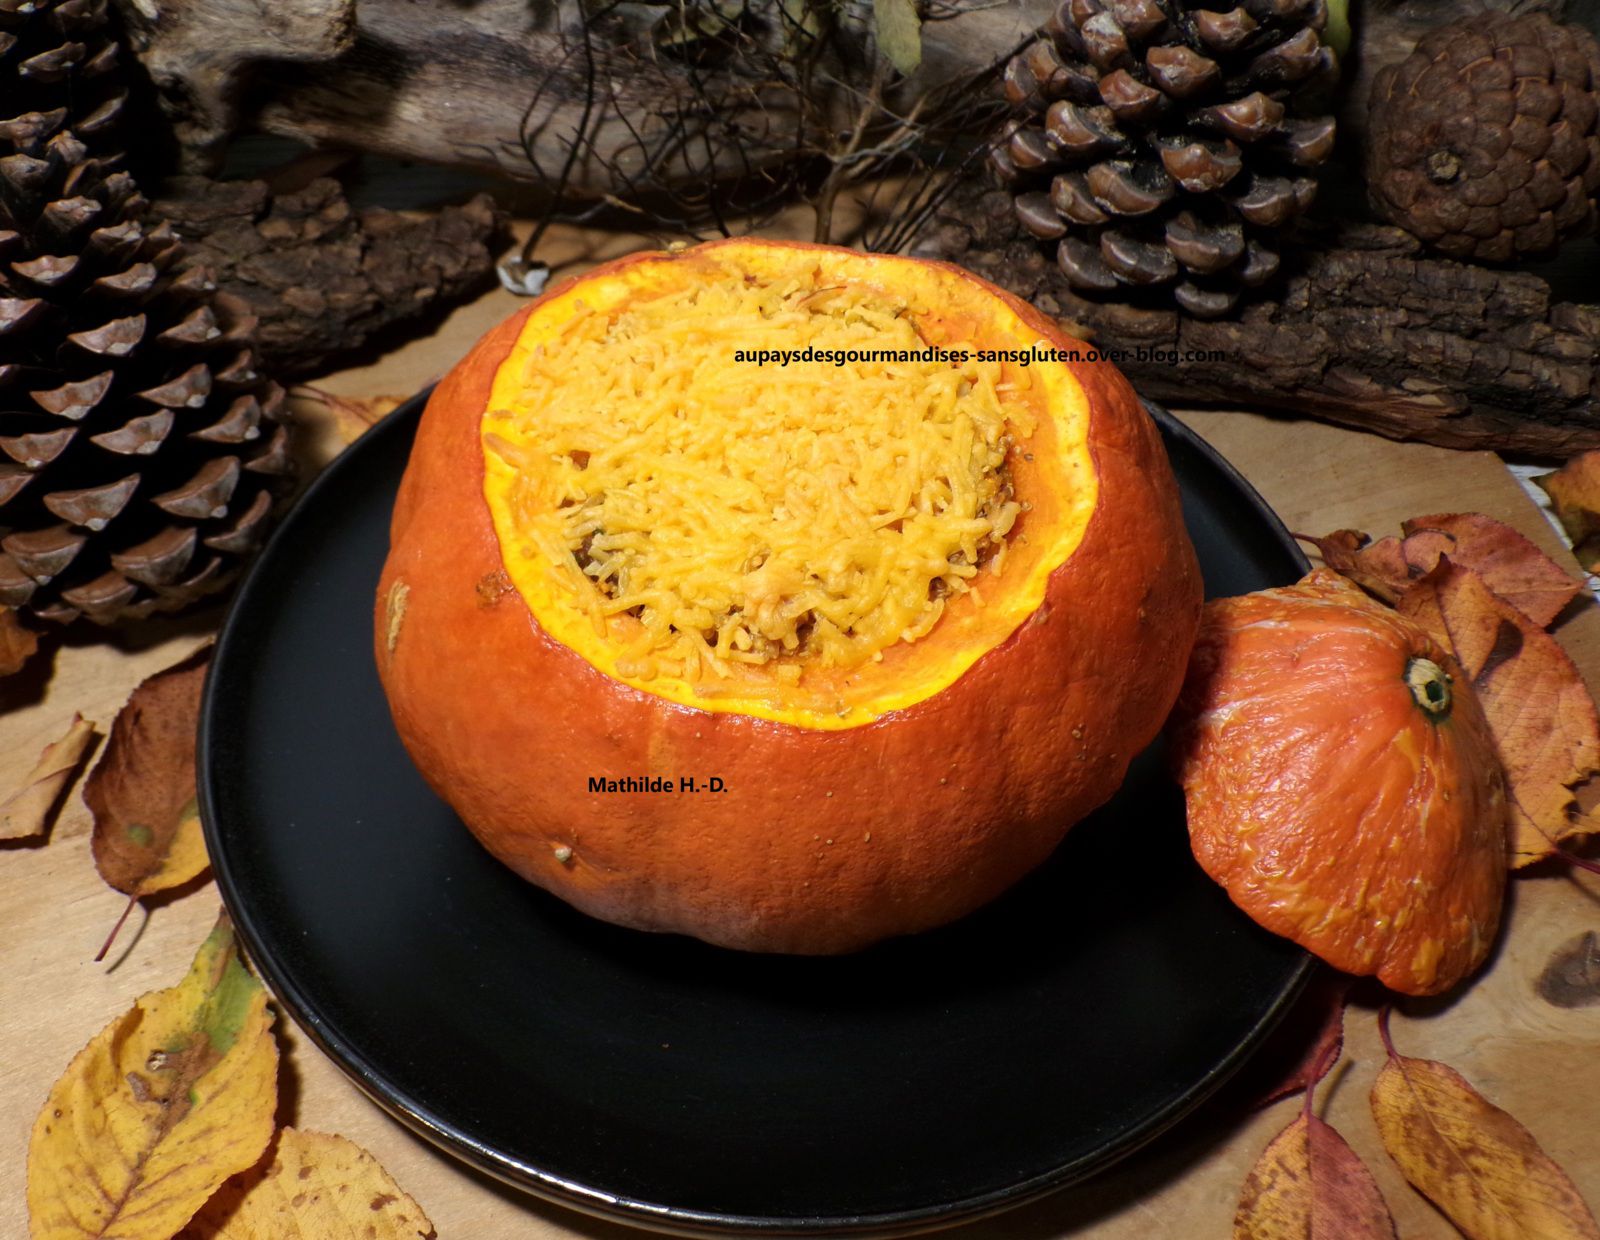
1484,141
140,446
1165,146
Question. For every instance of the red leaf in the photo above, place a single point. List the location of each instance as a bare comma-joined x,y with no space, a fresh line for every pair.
1309,1182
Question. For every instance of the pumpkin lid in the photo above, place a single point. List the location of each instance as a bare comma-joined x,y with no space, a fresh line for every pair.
1342,783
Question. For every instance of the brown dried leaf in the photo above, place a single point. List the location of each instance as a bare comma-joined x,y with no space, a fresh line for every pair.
142,791
1470,1158
1540,712
1513,567
317,1187
351,416
1509,564
1379,568
1308,1182
1574,492
29,810
17,643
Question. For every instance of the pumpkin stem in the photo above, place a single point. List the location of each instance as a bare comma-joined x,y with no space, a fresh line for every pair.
1430,686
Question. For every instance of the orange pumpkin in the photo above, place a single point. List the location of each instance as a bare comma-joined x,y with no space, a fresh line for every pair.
1342,782
730,649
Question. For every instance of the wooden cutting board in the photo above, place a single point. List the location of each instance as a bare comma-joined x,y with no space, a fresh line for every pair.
1534,1059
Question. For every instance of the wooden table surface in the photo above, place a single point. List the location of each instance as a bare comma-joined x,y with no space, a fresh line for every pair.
1536,1060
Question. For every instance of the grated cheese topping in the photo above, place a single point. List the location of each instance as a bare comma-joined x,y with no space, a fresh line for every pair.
786,516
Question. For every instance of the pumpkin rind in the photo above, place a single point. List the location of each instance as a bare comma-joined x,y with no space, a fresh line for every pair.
824,840
1342,799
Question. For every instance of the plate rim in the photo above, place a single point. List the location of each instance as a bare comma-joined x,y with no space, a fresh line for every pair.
586,1199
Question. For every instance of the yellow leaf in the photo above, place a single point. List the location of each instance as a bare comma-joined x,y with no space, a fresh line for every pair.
166,1103
27,811
1470,1158
1574,492
317,1187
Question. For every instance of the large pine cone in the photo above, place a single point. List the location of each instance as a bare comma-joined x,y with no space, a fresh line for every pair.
140,446
1165,146
1484,140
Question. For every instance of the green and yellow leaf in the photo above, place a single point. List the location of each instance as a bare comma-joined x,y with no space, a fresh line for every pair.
165,1104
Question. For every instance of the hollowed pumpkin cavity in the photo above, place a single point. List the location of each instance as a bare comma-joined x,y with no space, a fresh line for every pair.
768,536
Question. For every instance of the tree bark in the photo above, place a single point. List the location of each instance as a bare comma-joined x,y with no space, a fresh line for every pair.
1367,332
322,278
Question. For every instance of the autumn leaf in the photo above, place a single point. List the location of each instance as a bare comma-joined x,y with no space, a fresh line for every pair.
1509,564
167,1102
30,809
1379,567
316,1187
142,791
1540,712
1470,1158
352,416
1309,1182
17,643
1574,492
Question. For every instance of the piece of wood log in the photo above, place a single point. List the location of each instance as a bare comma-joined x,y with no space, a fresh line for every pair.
1366,331
501,85
510,86
199,54
321,277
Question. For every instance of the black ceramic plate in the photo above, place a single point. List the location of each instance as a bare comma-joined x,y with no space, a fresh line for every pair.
661,1081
